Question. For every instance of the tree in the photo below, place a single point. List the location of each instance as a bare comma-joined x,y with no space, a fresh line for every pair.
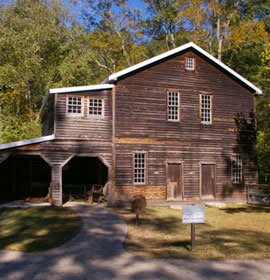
263,113
18,121
41,46
163,23
114,34
31,32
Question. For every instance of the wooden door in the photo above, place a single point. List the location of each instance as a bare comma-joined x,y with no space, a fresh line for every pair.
208,181
174,181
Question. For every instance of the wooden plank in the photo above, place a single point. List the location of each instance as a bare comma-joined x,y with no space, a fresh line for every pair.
149,141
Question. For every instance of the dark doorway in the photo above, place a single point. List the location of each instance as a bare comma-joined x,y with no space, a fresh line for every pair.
208,182
24,176
81,173
174,181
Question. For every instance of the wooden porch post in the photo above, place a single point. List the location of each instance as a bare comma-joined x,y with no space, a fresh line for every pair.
57,185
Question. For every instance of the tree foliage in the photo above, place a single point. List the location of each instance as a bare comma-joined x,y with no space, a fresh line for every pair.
40,47
114,34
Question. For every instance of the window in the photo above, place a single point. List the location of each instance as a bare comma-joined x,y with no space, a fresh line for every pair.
173,105
95,107
139,168
237,169
206,108
74,105
190,65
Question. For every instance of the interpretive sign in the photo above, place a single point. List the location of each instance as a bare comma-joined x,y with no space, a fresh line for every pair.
193,214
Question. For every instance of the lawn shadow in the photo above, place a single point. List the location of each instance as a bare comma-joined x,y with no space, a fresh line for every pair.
34,229
233,243
185,244
247,209
166,225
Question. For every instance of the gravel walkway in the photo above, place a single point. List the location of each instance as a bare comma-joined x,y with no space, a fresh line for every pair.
97,253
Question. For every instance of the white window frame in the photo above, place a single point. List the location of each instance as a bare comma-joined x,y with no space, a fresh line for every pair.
139,168
97,107
74,105
206,119
173,105
190,63
237,169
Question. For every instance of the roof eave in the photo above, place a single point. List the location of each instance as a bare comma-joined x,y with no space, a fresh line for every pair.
81,88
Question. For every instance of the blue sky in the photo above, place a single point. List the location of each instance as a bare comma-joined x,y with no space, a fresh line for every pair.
132,4
135,3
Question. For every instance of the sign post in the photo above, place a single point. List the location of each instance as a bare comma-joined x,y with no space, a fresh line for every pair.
192,236
193,214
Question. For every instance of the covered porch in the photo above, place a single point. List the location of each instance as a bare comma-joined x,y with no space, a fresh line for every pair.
43,168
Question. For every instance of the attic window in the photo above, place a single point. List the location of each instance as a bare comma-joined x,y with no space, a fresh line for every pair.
190,63
74,105
95,107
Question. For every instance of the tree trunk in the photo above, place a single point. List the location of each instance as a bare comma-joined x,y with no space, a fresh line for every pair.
220,39
137,219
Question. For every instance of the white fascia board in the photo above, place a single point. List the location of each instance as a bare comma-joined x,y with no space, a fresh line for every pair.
81,88
27,142
227,68
152,60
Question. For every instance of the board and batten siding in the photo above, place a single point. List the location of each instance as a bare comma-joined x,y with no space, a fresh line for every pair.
141,125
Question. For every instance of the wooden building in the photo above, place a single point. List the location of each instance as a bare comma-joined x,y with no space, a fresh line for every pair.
177,127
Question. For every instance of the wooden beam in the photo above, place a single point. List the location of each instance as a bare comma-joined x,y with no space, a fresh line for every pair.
149,141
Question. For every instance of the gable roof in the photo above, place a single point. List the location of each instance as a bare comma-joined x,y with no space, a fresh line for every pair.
114,77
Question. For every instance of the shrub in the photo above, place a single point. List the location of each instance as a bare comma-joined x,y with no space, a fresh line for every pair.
138,205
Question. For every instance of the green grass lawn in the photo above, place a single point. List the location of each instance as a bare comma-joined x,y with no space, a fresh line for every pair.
33,229
234,232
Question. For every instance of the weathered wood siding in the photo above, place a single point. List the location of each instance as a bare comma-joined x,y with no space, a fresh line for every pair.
59,152
141,125
47,117
84,127
56,153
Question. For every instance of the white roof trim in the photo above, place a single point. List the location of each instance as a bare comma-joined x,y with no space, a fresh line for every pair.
128,70
80,88
27,142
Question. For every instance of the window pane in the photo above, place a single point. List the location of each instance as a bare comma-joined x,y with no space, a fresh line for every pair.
139,168
95,106
237,169
206,109
190,63
173,105
74,105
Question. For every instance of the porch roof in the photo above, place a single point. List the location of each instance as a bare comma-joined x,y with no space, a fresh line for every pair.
27,142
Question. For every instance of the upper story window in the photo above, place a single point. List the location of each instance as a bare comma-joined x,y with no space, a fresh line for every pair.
74,105
206,108
190,63
139,168
237,169
173,106
95,107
